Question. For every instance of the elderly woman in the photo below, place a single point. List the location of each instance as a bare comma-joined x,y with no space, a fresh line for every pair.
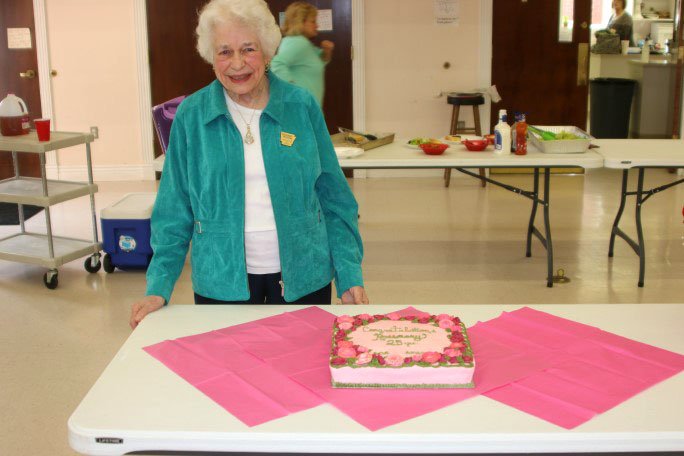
621,22
298,60
251,178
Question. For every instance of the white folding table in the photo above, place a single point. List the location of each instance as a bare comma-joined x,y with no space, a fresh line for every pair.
138,404
400,155
641,154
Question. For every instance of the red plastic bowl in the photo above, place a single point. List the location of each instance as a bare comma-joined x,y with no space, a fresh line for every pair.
433,148
475,145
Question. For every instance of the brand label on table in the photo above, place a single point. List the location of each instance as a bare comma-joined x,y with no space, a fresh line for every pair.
115,440
127,243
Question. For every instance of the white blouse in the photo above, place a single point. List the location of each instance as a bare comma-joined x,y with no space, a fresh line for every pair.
261,238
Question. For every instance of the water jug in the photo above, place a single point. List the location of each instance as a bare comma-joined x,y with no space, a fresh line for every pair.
14,117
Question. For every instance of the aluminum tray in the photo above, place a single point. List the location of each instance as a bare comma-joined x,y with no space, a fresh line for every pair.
561,146
340,139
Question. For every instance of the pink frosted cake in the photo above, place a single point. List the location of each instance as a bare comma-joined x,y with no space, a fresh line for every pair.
393,351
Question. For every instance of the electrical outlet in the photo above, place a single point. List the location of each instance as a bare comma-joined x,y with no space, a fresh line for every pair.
95,132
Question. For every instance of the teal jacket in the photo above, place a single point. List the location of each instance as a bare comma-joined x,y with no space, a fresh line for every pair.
299,61
202,199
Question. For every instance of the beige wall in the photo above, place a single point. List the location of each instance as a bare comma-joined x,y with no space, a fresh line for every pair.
92,47
405,53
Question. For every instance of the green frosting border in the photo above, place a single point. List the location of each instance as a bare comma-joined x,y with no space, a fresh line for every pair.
403,386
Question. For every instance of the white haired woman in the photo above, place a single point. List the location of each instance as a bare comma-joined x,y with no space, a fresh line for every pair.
298,60
251,178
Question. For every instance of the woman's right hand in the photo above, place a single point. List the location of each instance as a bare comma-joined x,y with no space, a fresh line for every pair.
141,308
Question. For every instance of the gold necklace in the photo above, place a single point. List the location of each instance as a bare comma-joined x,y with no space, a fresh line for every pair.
248,139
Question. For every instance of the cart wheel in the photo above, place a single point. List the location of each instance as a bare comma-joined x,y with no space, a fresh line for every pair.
92,264
50,279
107,263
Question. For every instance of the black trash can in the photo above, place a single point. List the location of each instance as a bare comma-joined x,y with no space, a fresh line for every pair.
610,107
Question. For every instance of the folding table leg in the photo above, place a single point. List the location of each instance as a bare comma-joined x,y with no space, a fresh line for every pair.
640,232
533,214
545,239
623,197
547,226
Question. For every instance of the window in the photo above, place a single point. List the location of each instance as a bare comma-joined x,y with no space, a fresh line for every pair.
566,20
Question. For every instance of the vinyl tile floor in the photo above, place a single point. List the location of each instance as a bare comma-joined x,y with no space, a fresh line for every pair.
424,244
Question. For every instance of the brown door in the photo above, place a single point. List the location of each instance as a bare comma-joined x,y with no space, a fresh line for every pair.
532,69
176,68
14,15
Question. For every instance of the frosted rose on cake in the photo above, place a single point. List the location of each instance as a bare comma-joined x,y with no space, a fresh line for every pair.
345,318
364,358
394,360
446,324
346,352
393,316
346,325
452,352
430,357
337,361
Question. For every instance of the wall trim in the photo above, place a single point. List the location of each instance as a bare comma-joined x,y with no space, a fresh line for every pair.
358,65
44,70
101,173
359,72
144,86
484,76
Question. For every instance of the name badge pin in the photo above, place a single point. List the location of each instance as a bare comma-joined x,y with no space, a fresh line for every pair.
287,139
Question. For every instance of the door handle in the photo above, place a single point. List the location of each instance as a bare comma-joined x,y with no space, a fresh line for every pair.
582,64
28,74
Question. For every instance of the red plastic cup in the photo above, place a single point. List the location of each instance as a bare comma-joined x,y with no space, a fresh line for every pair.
43,129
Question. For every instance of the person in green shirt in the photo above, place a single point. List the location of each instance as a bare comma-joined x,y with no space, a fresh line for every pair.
298,60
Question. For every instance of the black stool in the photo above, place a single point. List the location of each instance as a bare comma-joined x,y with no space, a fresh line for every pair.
464,99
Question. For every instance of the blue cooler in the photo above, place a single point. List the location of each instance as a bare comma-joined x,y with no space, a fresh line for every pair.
126,232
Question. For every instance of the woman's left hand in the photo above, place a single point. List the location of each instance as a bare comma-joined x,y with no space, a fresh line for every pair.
327,46
355,295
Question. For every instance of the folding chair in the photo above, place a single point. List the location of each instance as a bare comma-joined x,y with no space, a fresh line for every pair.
163,115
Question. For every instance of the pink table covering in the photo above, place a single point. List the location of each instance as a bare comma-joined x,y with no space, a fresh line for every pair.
594,370
553,368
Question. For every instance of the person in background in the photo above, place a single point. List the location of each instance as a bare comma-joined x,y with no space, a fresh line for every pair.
298,60
621,22
251,178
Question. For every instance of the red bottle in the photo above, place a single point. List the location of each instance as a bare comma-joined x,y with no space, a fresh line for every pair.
521,136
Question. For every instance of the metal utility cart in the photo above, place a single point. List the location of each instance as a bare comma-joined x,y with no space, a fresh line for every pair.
45,249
